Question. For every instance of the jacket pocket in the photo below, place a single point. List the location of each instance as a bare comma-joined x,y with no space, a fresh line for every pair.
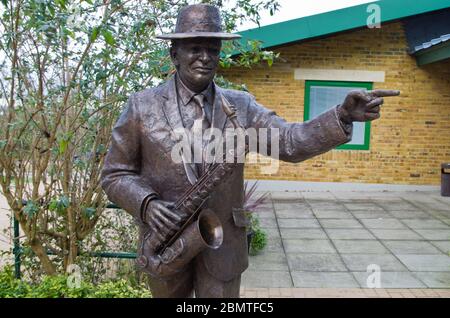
240,217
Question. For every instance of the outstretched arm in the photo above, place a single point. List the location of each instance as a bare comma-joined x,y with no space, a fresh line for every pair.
301,141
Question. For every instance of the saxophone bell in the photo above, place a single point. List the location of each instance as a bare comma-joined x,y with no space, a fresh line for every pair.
205,232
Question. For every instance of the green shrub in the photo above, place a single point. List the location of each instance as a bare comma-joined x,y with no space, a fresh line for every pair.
259,241
259,238
11,287
57,287
119,289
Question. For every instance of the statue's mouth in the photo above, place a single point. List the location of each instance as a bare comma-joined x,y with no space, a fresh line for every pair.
203,69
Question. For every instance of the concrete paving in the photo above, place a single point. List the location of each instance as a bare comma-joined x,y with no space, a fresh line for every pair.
329,240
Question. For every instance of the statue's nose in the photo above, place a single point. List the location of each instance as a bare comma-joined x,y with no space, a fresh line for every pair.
204,56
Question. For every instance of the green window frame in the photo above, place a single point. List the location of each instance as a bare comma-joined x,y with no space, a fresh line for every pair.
356,85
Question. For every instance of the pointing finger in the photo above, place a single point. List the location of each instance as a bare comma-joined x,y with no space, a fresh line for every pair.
384,93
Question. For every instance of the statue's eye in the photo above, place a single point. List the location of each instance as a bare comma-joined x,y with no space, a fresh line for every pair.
195,50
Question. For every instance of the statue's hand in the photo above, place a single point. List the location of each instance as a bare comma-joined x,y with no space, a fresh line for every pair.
363,106
162,220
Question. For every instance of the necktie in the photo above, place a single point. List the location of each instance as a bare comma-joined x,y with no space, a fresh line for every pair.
201,124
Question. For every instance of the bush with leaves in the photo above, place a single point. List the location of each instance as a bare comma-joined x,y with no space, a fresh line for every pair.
66,68
258,236
57,286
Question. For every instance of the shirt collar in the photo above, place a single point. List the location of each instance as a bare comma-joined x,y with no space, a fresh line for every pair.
186,94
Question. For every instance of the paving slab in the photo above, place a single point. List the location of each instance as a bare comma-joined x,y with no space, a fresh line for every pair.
411,247
425,224
444,246
272,233
326,206
302,233
363,206
323,280
285,196
308,246
390,280
426,263
331,214
360,262
360,247
383,224
268,279
274,245
340,223
434,279
266,214
349,234
315,262
294,214
269,261
391,234
299,223
440,215
371,215
268,223
435,234
286,205
397,206
408,214
435,205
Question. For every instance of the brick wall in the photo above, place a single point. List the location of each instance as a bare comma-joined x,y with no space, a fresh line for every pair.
408,143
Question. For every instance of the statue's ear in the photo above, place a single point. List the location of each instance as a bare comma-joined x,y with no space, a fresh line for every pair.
174,56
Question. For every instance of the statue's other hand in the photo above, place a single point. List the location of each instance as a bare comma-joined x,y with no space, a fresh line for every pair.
161,219
364,106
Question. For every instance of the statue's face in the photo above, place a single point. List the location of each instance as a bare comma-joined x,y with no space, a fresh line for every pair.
196,61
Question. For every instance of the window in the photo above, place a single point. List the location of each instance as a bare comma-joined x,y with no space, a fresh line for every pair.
321,96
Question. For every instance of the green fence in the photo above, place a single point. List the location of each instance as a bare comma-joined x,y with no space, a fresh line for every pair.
17,250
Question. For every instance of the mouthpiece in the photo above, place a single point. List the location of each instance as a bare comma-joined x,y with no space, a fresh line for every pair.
229,109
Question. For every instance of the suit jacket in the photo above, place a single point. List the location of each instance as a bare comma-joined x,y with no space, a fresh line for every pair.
139,161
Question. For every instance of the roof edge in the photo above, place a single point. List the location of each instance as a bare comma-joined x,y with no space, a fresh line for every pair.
345,19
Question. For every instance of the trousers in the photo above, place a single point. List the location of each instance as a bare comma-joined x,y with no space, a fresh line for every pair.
194,281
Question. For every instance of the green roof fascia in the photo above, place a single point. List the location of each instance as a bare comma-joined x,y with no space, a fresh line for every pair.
337,21
433,54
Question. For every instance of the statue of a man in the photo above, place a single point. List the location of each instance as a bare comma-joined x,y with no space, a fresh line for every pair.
140,176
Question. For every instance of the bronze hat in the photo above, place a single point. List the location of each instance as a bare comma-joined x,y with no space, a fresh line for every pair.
199,21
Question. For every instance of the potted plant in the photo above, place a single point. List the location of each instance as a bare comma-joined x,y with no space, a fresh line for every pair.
256,236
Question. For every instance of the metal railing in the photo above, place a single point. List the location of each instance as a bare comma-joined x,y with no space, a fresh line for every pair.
17,250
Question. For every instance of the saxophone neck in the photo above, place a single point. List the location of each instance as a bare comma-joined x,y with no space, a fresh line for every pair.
230,111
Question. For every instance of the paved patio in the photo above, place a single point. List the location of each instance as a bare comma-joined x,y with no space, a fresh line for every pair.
328,240
321,243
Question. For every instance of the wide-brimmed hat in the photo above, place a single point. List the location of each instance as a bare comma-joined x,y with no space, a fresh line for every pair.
199,21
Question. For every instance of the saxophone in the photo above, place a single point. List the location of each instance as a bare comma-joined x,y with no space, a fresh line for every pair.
201,228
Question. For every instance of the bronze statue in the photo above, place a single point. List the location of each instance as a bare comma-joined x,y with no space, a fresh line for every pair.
192,227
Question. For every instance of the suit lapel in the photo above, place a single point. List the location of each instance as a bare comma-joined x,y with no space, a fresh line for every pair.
172,114
219,116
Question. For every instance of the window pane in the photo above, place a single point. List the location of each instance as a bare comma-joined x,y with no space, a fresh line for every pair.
322,98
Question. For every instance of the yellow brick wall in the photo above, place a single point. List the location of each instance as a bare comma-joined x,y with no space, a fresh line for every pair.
410,141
